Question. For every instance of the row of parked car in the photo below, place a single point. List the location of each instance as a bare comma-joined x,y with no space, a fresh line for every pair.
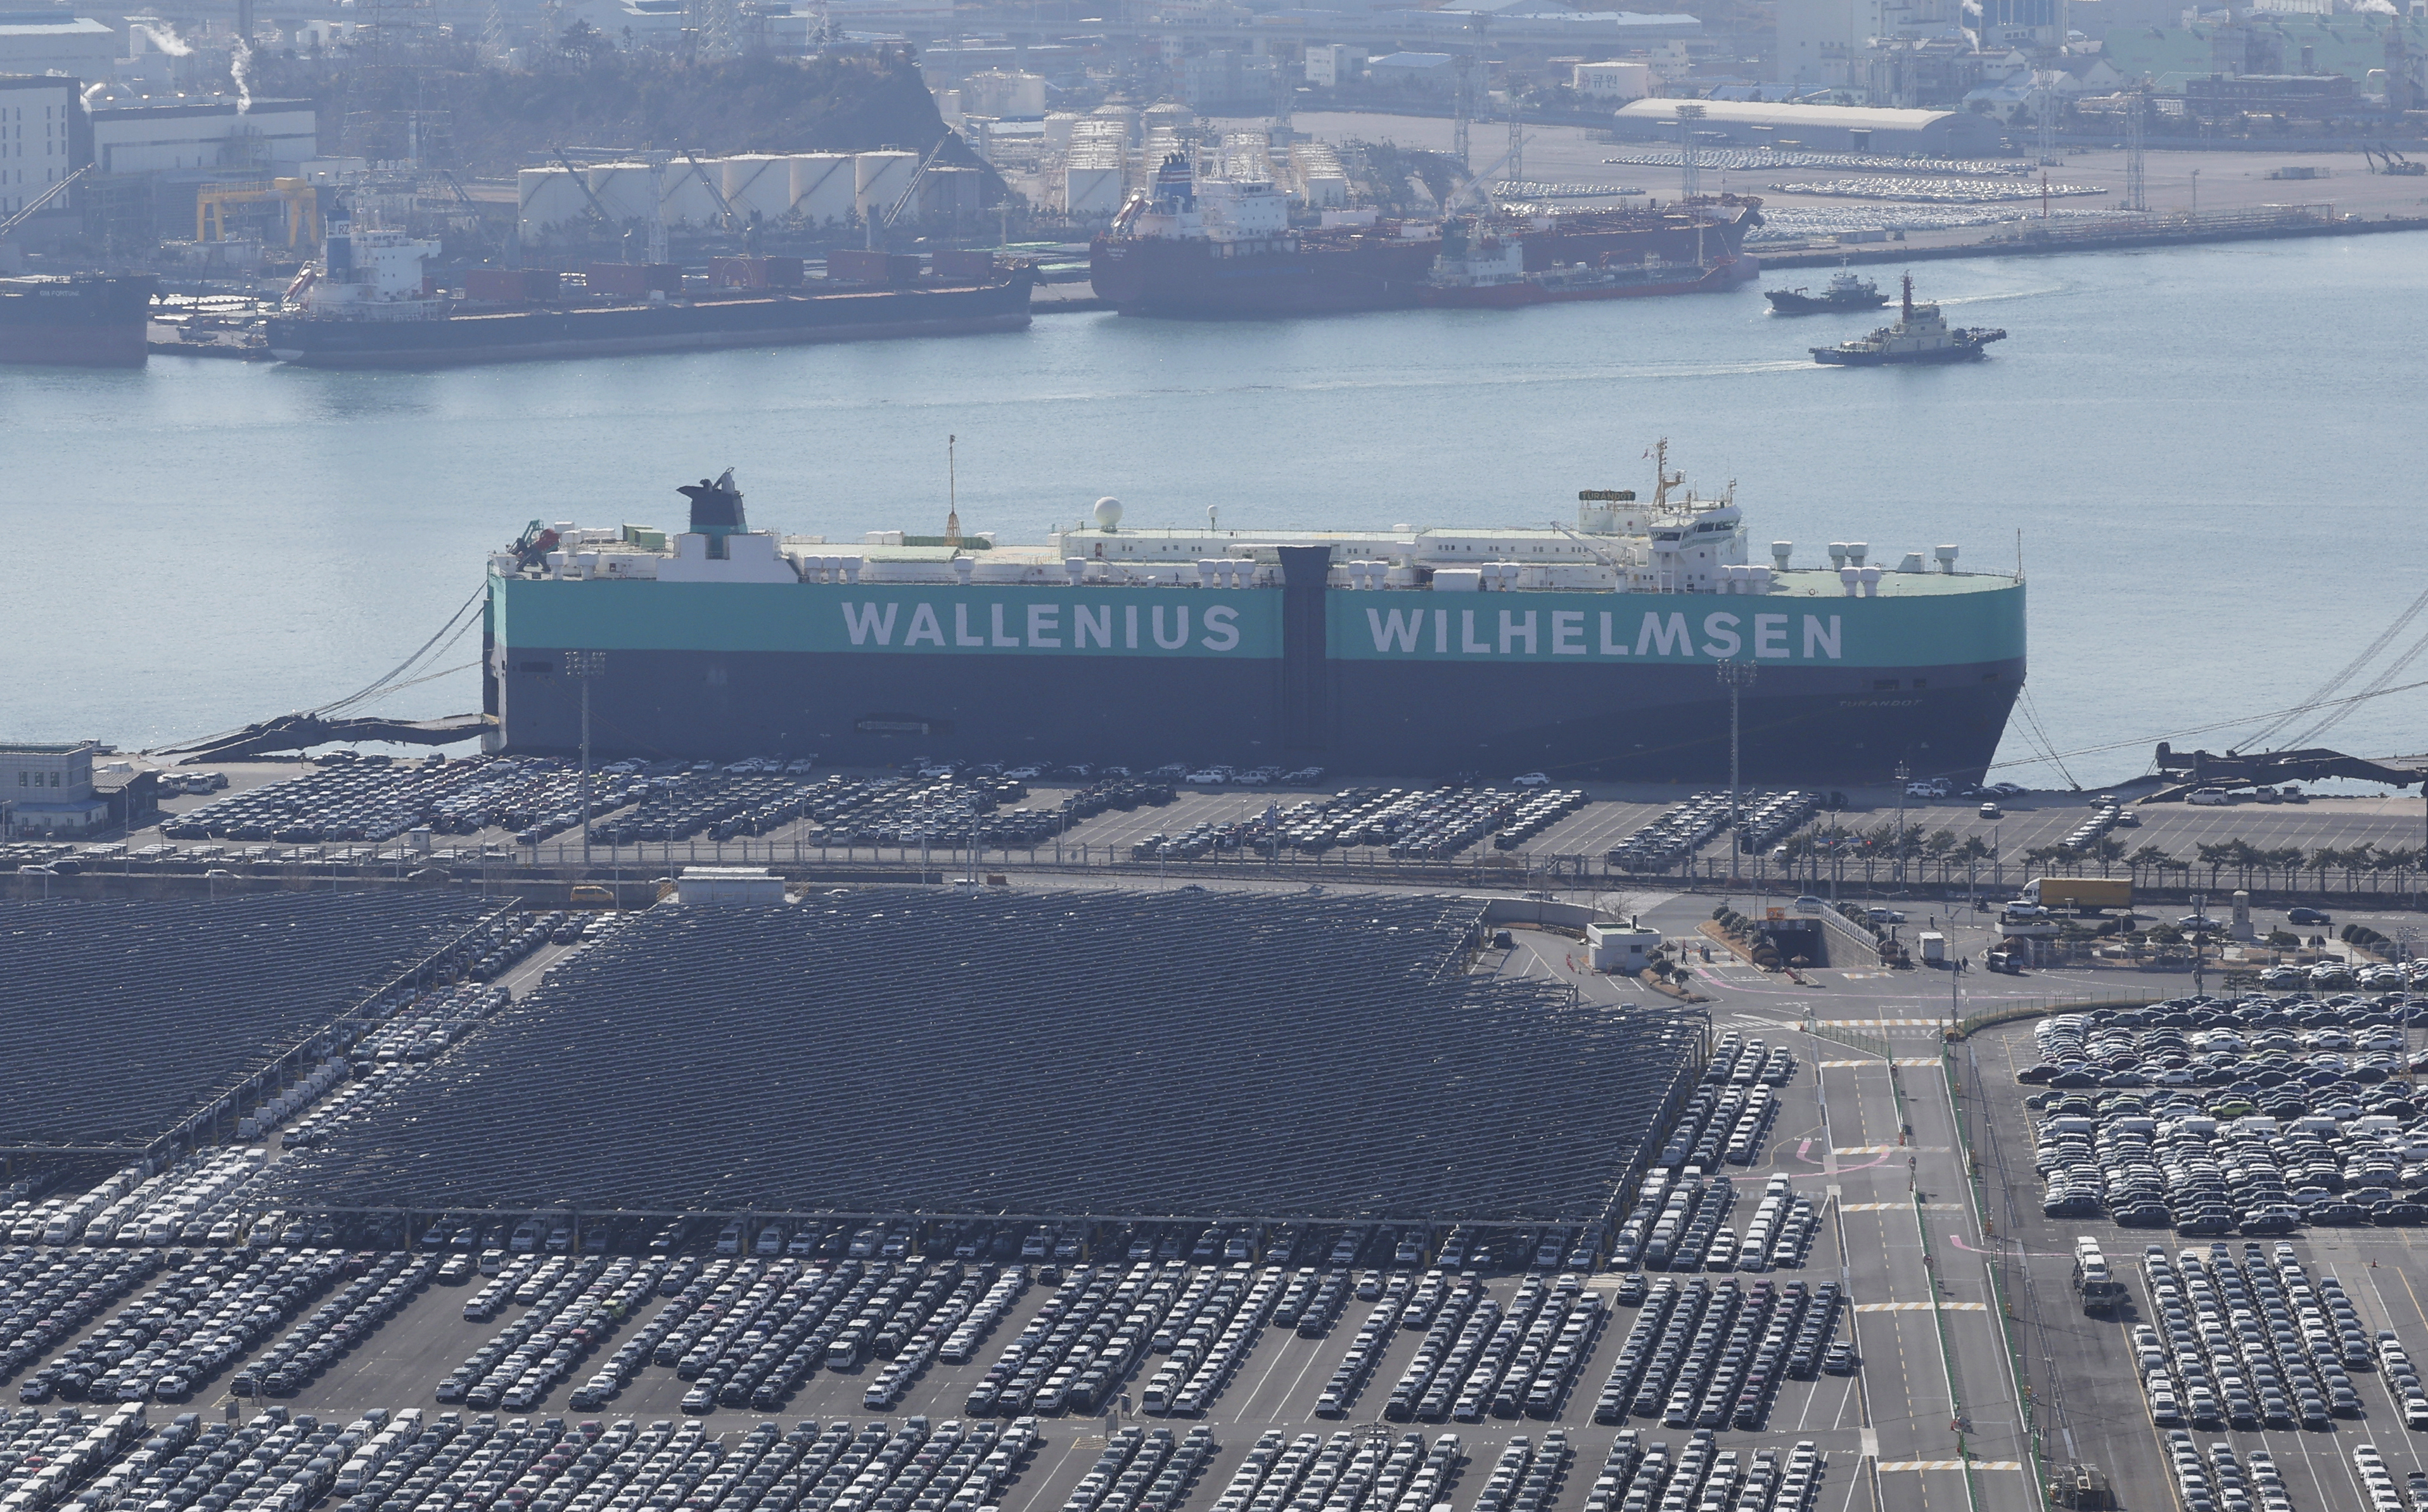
623,1467
1358,1472
572,1306
1708,1356
48,1295
2223,1481
201,1316
1677,832
2259,1148
1703,1476
2252,1344
1141,1470
384,1285
1480,1357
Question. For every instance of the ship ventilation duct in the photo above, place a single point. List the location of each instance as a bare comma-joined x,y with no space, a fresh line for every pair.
1857,551
1871,577
963,567
1849,579
1837,554
1781,551
1947,556
1077,569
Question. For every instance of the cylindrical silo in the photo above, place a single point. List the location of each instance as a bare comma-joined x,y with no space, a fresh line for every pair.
821,185
878,180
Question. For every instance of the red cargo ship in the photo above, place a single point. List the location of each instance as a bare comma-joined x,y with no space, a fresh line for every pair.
1226,248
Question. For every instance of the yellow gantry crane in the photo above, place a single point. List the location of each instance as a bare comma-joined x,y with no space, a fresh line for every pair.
300,208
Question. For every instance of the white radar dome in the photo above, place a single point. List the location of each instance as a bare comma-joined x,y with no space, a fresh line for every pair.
1108,513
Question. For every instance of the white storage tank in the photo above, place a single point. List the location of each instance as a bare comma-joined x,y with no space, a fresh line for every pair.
1091,191
759,185
691,194
879,179
822,186
1057,127
551,201
623,189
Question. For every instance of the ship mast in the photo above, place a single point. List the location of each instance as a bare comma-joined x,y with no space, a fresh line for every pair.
952,495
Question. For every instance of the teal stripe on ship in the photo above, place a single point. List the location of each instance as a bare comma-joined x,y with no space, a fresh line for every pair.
1782,629
919,619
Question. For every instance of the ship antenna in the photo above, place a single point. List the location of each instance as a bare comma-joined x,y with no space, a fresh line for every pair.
952,495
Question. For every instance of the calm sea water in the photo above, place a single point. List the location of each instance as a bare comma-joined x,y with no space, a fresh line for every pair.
2213,458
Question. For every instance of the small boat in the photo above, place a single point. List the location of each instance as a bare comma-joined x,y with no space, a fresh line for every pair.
1923,335
1845,292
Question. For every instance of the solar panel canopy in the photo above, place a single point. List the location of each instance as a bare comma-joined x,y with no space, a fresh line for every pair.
127,1018
1096,1056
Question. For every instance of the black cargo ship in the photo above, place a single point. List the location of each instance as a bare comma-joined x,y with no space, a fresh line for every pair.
738,319
82,320
368,305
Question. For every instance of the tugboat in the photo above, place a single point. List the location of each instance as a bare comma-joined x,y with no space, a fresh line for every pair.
1845,292
1923,335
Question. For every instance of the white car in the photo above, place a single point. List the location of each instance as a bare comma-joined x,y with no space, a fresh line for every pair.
2209,798
1209,777
1529,779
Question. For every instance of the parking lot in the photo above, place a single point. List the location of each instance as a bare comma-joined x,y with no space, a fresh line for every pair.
2084,1368
934,828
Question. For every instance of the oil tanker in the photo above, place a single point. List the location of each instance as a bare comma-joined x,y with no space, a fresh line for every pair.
1225,247
82,320
1584,650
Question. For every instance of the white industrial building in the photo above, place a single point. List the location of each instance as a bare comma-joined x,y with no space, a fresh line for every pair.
1619,80
48,789
1824,128
40,137
273,133
1824,44
56,42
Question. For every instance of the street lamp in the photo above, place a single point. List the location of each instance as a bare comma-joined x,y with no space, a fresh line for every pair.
1736,676
585,667
1898,871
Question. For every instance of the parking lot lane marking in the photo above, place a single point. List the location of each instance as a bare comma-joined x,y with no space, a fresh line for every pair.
1950,1464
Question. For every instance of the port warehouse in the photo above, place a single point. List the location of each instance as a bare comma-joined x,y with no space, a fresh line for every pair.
1266,1056
1813,127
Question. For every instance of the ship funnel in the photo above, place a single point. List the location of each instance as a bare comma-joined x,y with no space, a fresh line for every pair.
715,510
1779,551
1947,556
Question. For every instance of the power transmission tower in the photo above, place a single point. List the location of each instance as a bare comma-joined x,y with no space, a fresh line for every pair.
1690,174
494,46
716,30
2135,107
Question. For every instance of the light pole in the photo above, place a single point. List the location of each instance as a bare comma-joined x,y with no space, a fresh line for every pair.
583,667
1736,676
1897,873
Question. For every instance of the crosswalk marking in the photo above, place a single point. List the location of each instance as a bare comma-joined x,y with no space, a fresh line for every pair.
1899,1207
1919,1059
1950,1464
1922,1307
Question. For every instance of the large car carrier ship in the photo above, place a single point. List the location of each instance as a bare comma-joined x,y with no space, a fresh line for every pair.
1587,651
